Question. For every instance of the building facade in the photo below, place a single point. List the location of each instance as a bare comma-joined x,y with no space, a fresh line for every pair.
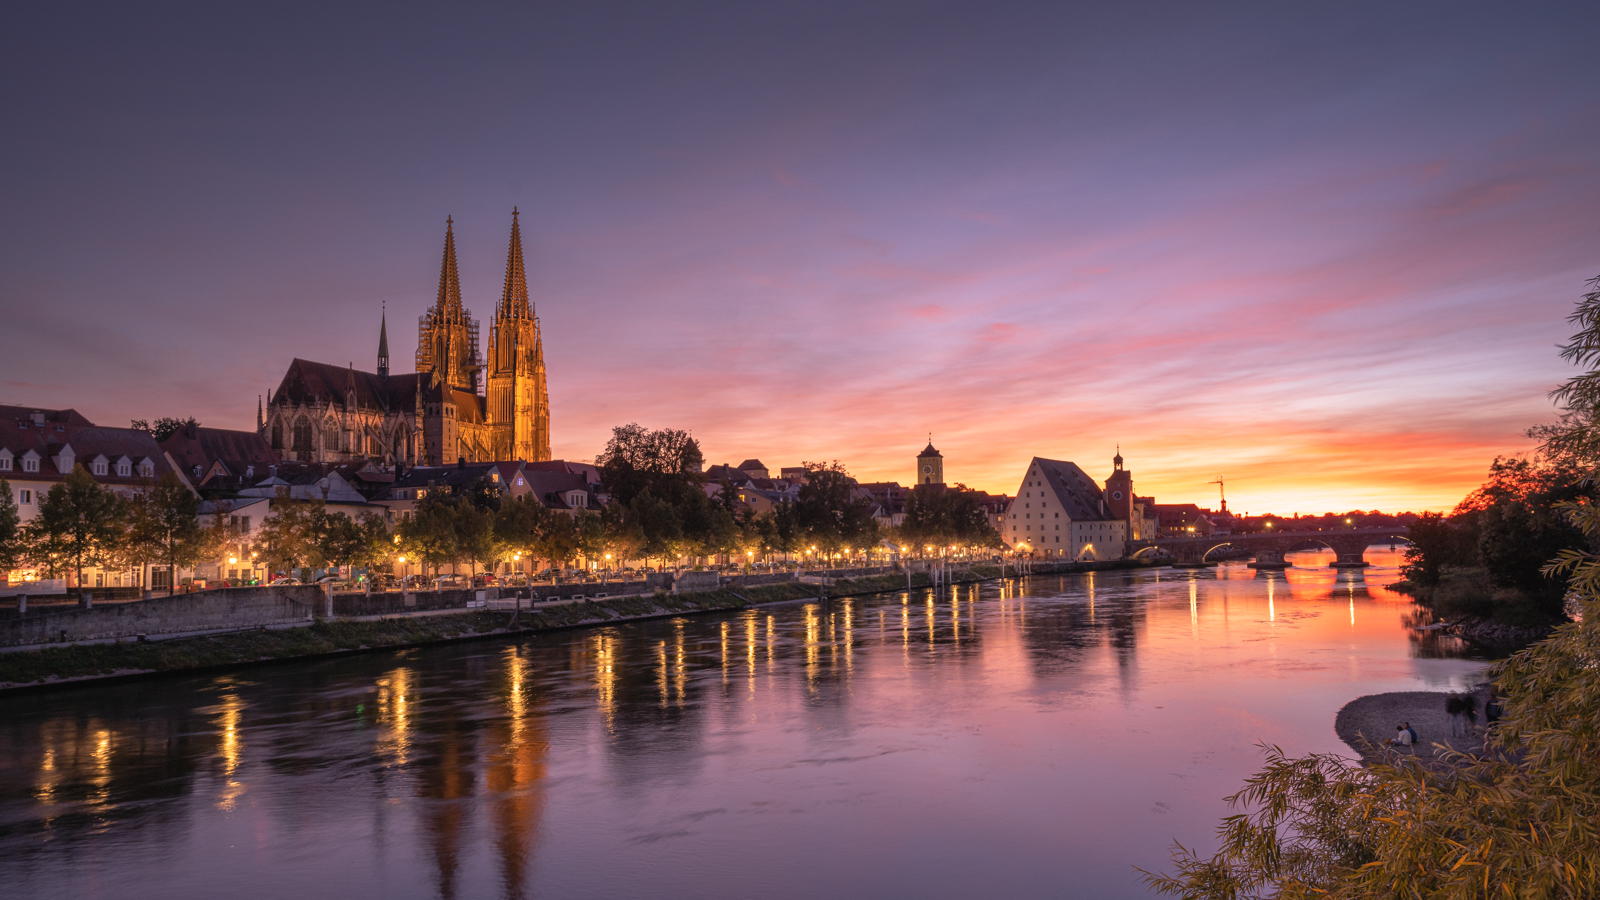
455,406
1060,511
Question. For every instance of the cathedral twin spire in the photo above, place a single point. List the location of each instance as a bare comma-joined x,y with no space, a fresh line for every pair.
449,308
514,299
447,339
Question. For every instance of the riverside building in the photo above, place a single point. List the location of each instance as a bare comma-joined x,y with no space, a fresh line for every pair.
1060,511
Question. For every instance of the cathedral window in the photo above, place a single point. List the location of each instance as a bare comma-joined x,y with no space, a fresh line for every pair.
277,436
302,436
330,437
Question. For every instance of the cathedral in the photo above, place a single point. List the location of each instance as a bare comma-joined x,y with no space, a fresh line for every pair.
454,407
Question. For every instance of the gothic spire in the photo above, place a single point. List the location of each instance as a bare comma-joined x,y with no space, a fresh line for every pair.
449,306
514,300
383,343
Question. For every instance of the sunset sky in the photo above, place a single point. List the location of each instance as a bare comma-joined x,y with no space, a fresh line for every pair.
1325,252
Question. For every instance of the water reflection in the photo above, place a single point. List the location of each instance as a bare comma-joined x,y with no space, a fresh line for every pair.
698,757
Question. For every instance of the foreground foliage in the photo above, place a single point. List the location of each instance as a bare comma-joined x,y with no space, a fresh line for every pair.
1523,819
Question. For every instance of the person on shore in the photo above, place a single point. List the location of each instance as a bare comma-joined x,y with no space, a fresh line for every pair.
1413,732
1402,737
1453,707
1469,710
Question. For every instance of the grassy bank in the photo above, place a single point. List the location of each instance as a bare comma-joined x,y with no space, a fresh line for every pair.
1468,593
1498,619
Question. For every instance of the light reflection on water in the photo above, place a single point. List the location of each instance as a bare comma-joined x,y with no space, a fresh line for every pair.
1033,740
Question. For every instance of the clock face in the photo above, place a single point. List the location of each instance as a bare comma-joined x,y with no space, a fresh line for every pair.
1116,495
927,470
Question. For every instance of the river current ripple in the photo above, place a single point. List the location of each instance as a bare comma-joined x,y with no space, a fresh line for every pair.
1034,739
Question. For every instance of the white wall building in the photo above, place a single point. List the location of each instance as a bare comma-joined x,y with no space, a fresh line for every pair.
1060,511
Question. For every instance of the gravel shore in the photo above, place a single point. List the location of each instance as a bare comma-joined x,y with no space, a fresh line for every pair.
1376,716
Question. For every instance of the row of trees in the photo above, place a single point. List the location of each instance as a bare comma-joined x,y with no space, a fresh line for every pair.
80,524
659,510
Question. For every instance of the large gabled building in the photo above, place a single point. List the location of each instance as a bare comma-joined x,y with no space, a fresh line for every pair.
1060,511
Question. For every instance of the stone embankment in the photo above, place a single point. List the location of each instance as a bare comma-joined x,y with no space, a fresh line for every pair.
241,626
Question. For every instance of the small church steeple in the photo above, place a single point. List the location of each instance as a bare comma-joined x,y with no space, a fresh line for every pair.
383,342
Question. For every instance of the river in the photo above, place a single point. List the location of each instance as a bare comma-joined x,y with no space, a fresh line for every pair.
1036,739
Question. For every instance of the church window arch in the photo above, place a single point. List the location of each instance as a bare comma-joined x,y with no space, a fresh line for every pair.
277,436
302,436
330,436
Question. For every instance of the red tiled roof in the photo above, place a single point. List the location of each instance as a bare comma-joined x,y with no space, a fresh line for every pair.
65,427
238,450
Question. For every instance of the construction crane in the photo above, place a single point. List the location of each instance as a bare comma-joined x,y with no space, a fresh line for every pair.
1222,491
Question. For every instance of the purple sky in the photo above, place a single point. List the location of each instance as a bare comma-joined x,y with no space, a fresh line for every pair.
1327,252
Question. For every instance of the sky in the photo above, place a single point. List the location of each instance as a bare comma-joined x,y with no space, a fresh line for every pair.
1326,253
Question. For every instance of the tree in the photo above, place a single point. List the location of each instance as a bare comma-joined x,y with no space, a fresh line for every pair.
476,538
292,535
13,546
1437,542
558,540
165,427
430,535
589,532
828,511
374,545
1520,527
79,522
520,523
637,460
178,534
946,517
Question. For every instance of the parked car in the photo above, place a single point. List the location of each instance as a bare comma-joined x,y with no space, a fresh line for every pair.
278,581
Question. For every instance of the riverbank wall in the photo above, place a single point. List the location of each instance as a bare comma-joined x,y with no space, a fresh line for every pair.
227,608
306,633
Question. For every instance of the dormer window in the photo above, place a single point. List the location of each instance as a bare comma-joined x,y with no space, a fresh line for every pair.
124,467
5,460
30,462
99,466
147,469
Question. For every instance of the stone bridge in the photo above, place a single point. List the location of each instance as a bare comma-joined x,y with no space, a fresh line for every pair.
1270,546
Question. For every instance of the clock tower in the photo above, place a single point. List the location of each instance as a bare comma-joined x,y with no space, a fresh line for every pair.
930,465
